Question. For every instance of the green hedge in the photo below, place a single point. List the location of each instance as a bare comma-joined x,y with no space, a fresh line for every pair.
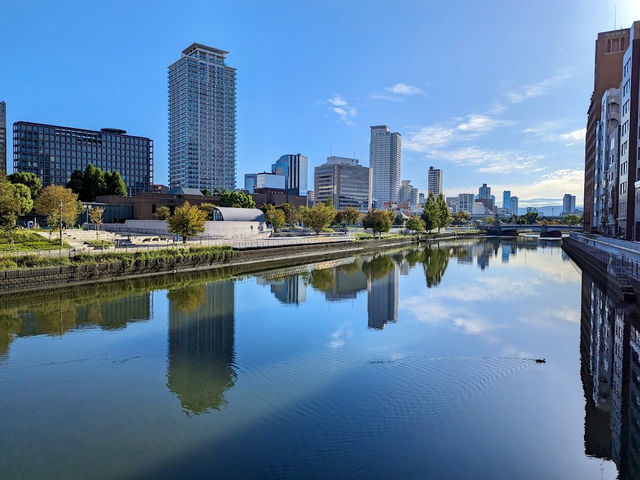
160,257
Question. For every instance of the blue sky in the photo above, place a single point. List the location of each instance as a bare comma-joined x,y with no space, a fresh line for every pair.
493,92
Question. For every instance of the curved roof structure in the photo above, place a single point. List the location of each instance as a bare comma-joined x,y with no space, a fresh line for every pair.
230,214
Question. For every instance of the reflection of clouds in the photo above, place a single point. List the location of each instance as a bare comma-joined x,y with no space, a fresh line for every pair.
550,264
339,335
511,351
485,289
547,318
435,312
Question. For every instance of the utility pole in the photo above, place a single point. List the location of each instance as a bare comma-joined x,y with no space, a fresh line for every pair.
60,223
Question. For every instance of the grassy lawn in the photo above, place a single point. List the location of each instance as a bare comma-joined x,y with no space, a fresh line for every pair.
27,241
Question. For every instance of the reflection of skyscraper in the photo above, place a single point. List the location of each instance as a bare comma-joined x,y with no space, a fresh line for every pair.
290,290
201,345
382,303
347,283
610,367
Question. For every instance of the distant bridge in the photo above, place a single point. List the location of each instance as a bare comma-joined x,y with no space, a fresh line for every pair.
509,227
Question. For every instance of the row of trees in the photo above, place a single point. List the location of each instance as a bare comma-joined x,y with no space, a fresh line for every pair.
94,182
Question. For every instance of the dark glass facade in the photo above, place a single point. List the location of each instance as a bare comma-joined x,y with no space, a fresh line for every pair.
53,153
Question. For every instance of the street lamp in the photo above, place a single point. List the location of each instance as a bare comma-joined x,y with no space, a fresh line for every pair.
60,221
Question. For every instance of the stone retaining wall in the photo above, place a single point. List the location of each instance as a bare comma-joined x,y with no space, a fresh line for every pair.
30,279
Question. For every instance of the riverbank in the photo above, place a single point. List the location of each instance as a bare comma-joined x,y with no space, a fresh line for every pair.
87,269
613,263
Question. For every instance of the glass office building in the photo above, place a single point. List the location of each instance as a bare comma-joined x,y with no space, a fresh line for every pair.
202,120
294,168
53,153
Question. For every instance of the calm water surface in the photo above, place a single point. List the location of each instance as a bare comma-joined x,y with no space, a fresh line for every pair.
414,363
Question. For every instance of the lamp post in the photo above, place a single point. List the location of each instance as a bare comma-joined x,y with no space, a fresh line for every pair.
60,223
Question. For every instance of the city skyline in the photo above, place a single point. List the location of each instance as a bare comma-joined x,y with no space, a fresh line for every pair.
478,136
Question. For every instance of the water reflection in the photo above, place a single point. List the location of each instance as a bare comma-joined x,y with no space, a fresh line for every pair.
610,371
108,308
201,345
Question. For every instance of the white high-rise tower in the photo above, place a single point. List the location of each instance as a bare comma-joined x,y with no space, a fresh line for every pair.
202,120
385,160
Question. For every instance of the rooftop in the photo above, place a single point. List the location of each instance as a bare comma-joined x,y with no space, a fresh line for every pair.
195,46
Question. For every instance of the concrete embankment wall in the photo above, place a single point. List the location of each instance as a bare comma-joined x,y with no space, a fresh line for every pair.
604,263
242,261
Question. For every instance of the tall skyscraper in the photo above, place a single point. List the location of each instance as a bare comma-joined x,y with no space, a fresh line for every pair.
434,181
53,153
347,183
609,49
484,192
202,120
385,160
506,200
294,167
3,137
514,205
465,202
568,203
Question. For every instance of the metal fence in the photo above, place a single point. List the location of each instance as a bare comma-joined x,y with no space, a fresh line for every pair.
622,261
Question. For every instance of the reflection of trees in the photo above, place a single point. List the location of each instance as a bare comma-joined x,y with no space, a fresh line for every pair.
187,299
435,263
9,327
201,347
322,279
56,319
352,267
413,257
379,267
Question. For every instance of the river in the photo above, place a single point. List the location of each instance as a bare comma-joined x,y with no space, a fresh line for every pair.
411,363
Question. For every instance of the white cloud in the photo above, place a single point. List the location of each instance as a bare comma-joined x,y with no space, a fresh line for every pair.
548,132
403,89
538,89
487,160
341,107
337,101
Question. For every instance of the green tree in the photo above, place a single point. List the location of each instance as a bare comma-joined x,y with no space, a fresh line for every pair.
48,204
9,204
415,224
95,216
275,217
352,215
431,213
317,217
531,217
162,213
399,219
76,181
460,218
206,192
574,219
31,180
115,184
329,202
444,216
377,220
290,213
489,220
23,195
208,208
187,221
236,199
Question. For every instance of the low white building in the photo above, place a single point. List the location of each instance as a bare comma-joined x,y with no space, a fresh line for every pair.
227,222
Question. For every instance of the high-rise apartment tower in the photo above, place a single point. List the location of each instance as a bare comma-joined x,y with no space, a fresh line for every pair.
385,160
202,120
434,181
